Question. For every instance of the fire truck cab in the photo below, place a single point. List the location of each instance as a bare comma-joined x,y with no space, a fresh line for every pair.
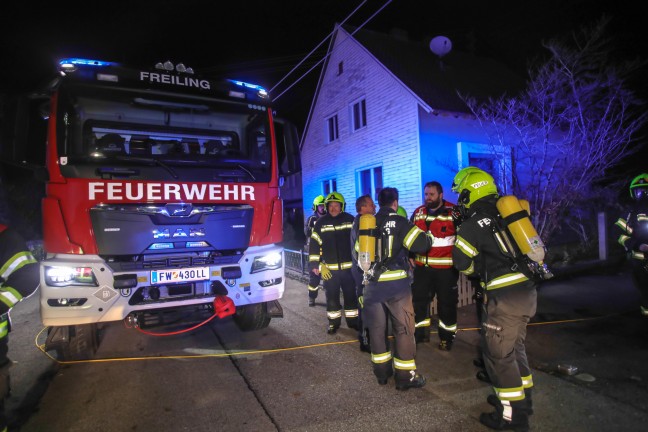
162,192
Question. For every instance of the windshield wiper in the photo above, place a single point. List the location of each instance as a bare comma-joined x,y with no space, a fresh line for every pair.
247,171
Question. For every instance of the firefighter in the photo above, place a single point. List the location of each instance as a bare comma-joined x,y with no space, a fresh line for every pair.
434,275
458,216
510,300
19,278
389,291
319,210
634,237
364,205
329,255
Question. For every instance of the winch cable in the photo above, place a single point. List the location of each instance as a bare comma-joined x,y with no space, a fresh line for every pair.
41,347
177,332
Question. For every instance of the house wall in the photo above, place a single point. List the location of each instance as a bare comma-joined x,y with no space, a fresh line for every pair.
446,141
389,140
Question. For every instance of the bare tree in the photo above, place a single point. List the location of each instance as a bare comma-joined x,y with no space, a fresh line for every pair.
575,120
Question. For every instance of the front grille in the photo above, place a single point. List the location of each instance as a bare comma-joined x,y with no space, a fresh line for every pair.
174,262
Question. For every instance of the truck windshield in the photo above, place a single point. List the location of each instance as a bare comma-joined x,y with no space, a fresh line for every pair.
154,135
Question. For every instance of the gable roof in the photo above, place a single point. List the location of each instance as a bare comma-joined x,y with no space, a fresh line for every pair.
436,81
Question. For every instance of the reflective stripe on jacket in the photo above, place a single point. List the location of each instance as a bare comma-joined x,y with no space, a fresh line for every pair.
441,225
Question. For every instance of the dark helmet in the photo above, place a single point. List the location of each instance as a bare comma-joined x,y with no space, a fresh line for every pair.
335,197
639,187
476,185
319,200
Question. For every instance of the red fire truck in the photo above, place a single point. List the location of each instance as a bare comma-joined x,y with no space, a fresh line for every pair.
162,192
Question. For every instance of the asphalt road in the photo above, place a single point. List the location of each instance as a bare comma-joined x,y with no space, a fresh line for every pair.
292,376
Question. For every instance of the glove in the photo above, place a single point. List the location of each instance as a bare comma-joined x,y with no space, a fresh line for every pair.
325,272
361,301
458,214
431,237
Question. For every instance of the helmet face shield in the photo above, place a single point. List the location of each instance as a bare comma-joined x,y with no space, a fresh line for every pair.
640,193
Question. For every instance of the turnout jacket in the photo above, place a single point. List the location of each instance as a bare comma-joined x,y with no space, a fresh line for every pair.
440,224
308,228
398,236
634,230
331,242
477,252
19,273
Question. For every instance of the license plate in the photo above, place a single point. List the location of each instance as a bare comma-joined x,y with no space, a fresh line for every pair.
179,275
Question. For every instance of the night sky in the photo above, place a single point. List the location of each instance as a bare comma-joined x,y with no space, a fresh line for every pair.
260,41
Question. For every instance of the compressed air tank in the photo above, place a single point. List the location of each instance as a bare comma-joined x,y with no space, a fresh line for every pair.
366,241
516,215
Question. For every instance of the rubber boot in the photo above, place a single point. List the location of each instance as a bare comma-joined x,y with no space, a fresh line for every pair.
409,379
482,375
494,401
528,393
445,345
507,416
422,334
383,371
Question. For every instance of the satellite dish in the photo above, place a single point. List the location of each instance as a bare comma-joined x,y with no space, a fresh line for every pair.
440,45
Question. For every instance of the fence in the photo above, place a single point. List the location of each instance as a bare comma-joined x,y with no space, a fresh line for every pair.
297,262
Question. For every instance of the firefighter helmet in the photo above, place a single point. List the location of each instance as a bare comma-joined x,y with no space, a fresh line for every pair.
476,185
461,174
639,187
401,211
319,200
335,197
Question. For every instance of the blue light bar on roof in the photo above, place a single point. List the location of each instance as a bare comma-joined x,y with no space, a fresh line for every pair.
80,61
248,85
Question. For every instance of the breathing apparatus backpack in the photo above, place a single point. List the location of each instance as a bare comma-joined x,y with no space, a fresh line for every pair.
373,253
518,239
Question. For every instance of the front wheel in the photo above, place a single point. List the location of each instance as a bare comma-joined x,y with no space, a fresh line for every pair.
252,317
74,342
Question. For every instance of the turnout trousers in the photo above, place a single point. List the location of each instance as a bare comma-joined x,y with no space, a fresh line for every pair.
442,283
383,303
363,333
506,313
341,280
313,285
640,279
5,387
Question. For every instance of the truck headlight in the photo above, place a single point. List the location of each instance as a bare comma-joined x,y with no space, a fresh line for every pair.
272,261
65,276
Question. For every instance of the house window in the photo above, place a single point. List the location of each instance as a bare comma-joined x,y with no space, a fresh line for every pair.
495,160
340,68
370,182
359,115
329,186
332,126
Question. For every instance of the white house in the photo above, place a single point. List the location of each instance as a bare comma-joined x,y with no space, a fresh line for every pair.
386,112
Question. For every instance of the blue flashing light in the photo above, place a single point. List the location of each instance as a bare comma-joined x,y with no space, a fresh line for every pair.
86,62
248,85
158,246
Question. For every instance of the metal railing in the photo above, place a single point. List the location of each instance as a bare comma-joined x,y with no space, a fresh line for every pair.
296,260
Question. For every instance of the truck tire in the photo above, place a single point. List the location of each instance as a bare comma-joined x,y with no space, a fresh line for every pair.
75,342
252,317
